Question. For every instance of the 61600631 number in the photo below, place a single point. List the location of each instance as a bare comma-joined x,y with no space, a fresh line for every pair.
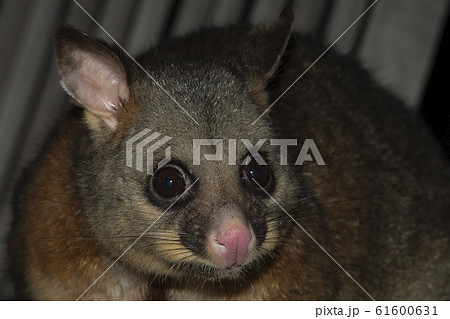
406,310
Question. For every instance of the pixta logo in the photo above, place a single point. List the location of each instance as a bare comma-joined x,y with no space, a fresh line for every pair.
308,149
148,143
143,145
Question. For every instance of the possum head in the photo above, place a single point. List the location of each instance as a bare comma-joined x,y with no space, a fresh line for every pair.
212,220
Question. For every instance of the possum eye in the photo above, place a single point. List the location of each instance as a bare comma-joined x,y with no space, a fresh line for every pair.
169,181
257,174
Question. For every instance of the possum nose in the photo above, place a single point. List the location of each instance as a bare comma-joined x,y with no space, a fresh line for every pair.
232,245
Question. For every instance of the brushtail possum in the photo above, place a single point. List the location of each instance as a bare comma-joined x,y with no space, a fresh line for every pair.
373,222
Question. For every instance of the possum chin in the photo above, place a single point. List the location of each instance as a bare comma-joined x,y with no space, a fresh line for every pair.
206,271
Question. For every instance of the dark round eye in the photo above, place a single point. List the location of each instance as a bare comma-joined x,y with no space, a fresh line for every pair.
169,182
257,174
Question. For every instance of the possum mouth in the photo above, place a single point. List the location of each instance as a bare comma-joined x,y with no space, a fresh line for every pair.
207,272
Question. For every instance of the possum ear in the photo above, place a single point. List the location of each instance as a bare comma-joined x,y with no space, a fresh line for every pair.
264,46
91,73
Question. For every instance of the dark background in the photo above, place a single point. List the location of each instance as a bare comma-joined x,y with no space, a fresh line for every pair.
404,43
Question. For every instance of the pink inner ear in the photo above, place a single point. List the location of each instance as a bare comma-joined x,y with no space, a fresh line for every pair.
98,83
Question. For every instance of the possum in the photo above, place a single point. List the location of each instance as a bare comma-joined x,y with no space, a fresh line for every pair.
335,192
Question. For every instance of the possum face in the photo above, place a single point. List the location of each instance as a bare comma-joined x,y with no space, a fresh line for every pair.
210,219
215,218
193,210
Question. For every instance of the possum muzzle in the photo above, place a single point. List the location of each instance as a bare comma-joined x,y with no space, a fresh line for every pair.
231,238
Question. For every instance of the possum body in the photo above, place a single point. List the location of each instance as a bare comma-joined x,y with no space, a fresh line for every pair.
89,227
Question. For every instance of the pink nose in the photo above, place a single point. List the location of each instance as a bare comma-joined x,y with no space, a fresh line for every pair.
232,245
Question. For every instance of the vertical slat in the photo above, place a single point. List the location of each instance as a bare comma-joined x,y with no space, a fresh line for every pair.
51,101
149,25
114,19
208,17
324,19
398,45
170,20
362,28
132,19
12,18
192,15
227,12
247,10
265,11
307,15
29,63
14,95
344,13
15,39
79,19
